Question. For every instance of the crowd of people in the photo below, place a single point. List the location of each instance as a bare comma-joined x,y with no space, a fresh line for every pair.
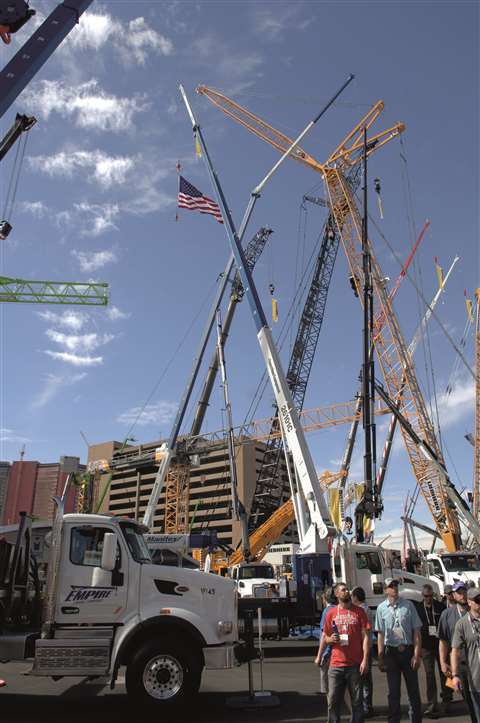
440,635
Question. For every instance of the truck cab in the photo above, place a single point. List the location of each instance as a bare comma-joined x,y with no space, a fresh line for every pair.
106,604
254,579
447,568
364,565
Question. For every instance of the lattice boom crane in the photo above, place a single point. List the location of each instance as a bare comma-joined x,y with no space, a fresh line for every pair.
397,367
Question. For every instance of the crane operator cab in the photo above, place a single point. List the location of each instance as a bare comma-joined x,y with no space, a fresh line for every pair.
13,16
5,228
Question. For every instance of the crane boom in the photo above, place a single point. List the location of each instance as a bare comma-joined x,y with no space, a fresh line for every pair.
304,466
476,448
389,344
26,63
53,292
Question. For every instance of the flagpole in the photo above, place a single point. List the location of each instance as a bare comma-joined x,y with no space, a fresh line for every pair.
178,168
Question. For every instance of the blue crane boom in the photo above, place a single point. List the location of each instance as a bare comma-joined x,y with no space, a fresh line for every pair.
26,63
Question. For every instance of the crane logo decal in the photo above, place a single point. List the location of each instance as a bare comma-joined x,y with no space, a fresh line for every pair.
80,593
287,420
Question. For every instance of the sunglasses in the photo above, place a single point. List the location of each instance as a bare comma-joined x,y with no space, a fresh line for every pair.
428,596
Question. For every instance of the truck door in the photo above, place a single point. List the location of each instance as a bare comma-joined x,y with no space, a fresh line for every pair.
78,600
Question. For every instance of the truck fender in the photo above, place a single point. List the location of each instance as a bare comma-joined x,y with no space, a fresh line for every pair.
146,629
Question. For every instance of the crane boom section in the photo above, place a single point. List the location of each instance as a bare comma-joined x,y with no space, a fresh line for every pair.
53,292
39,47
395,361
390,347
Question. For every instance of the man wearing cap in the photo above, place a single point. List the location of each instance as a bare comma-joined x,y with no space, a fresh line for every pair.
429,611
446,627
466,641
399,643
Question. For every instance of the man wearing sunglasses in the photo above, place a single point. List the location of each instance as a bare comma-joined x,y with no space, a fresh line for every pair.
466,641
446,627
429,612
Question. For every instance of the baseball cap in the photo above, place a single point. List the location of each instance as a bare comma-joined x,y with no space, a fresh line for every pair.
390,582
473,593
447,589
459,586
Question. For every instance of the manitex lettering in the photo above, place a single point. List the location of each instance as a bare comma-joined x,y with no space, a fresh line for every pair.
88,594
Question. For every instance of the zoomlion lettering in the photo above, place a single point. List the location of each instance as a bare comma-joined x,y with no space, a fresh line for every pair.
287,420
88,594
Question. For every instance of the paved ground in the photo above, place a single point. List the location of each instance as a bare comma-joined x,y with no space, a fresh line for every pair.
28,699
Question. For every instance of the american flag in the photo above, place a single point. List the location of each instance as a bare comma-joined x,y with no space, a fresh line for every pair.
193,199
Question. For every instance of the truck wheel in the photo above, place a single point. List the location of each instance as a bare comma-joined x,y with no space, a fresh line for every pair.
164,673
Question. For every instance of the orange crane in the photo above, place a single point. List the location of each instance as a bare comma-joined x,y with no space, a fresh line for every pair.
395,362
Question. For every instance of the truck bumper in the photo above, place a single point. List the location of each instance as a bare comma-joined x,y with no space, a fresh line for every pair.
220,657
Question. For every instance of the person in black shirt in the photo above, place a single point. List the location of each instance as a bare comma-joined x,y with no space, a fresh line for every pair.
429,611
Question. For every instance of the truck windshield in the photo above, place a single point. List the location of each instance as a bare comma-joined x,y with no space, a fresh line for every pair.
249,572
136,542
461,563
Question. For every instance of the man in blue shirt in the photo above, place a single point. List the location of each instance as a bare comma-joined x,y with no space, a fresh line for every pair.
399,641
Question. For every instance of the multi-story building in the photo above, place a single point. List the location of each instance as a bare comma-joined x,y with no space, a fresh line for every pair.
210,506
4,472
32,485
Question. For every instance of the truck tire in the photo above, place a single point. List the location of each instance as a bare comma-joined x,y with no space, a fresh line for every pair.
164,672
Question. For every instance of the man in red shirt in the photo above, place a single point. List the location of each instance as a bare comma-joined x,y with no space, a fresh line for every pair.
346,630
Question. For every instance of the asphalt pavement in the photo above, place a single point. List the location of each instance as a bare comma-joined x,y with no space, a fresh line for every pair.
294,680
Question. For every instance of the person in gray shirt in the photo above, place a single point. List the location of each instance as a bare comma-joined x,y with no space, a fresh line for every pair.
466,640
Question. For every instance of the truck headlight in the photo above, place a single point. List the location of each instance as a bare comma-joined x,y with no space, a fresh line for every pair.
225,627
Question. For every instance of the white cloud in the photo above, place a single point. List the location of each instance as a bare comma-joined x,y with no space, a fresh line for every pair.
133,41
114,313
90,219
36,208
71,319
74,359
79,342
86,103
10,436
458,404
94,260
156,414
272,25
53,384
104,170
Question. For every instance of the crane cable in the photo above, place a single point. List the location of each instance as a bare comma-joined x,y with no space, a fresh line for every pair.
15,178
283,334
426,343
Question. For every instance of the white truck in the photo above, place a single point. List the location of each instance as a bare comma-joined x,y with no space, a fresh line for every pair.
105,605
364,565
447,568
254,579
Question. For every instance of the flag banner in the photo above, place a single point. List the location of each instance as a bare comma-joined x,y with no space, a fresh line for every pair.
439,272
274,309
334,507
193,199
469,305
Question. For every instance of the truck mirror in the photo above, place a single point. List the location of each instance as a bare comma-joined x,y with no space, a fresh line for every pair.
109,551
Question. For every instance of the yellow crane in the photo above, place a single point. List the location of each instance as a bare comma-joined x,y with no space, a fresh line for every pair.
395,362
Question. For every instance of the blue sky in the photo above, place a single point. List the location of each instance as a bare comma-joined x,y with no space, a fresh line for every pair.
97,201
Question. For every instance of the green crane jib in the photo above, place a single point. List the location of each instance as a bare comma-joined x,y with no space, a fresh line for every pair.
53,292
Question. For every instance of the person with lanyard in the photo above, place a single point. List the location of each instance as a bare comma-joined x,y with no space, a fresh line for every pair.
366,682
448,598
346,630
446,627
323,661
429,611
399,645
466,641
